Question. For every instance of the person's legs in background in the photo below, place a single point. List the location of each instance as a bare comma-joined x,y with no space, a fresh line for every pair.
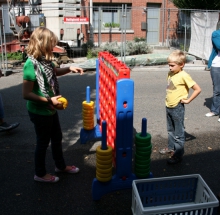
215,73
1,110
3,125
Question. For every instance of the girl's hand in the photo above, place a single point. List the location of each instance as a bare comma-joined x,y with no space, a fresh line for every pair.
76,69
55,101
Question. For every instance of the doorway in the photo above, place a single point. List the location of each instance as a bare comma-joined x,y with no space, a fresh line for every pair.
153,23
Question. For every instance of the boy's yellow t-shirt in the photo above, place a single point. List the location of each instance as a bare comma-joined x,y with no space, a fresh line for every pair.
178,85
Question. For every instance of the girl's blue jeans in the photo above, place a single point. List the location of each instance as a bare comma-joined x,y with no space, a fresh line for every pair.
1,108
215,75
175,128
47,129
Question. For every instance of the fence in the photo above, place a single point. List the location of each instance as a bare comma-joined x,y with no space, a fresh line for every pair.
80,27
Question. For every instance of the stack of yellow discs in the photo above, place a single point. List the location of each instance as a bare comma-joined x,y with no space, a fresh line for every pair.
103,164
88,115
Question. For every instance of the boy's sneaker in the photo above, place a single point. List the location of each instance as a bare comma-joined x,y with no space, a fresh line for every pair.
5,126
174,160
166,151
210,114
219,120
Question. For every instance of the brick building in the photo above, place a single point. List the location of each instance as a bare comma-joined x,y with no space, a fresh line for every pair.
144,19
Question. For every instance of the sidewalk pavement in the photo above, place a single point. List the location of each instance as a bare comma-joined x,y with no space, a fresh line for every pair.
198,65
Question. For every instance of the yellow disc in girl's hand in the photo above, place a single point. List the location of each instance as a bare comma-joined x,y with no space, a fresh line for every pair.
63,105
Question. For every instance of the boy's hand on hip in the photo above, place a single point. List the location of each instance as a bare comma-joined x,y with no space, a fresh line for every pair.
185,101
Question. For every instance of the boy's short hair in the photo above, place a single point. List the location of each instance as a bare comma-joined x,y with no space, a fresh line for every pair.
178,57
42,42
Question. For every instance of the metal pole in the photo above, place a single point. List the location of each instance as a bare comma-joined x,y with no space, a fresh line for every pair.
163,22
3,26
206,19
122,23
125,20
2,62
145,11
168,27
91,20
185,38
99,28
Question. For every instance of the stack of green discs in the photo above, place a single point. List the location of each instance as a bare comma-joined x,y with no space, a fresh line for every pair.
142,155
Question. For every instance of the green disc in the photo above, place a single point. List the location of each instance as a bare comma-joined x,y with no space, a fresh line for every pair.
142,170
142,144
143,166
142,162
143,154
141,139
144,149
144,175
140,157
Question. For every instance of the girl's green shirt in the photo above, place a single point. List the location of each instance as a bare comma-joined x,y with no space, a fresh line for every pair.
40,108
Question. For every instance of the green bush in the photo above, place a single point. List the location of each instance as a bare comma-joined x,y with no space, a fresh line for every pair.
131,48
112,25
139,39
14,56
93,53
112,48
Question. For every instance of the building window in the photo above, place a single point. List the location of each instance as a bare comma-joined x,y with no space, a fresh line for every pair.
111,15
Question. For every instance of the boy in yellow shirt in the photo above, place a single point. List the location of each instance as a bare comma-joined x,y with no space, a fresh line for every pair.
179,83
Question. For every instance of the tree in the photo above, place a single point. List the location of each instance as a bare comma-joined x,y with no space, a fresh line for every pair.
197,4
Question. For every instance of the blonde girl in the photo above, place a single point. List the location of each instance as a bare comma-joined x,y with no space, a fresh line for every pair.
41,90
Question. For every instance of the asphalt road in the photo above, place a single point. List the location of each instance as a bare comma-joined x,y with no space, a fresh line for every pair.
20,194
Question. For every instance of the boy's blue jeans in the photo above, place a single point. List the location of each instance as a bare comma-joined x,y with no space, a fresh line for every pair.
215,75
47,130
1,108
175,128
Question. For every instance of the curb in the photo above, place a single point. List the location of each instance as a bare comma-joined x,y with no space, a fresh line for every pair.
187,67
